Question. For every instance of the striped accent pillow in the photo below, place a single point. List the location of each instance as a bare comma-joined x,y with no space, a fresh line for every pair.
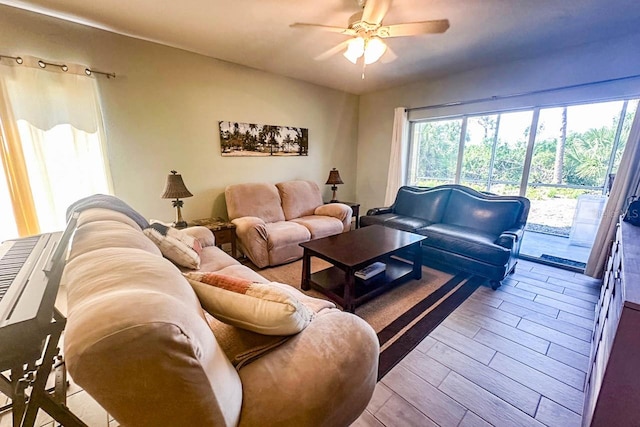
176,245
259,307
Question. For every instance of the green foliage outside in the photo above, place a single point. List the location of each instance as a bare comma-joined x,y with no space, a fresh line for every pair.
583,162
438,150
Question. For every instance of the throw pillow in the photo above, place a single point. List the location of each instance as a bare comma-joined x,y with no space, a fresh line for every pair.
258,307
175,245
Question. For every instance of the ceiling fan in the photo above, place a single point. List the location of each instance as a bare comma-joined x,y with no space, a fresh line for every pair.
367,31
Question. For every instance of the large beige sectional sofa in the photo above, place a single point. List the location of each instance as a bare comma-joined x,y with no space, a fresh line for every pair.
272,220
139,342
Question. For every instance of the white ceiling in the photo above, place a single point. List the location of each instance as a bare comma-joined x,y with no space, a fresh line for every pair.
256,33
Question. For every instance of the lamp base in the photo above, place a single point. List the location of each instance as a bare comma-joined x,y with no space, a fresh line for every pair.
334,201
180,223
334,188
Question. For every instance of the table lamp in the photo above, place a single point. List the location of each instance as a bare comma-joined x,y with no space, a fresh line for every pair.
175,189
334,179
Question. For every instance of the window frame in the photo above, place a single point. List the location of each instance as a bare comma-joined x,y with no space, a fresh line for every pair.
412,161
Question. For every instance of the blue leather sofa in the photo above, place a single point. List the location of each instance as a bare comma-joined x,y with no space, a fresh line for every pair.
466,229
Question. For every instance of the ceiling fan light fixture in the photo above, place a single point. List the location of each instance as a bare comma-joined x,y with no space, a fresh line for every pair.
374,49
355,49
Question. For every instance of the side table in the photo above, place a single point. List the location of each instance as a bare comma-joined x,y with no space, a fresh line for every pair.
223,231
355,207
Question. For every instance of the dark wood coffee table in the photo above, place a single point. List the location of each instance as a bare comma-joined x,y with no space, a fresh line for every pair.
354,250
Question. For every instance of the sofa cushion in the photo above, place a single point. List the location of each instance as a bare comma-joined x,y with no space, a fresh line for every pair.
285,233
258,307
299,198
213,258
465,241
320,226
260,200
175,245
491,216
376,219
407,223
428,204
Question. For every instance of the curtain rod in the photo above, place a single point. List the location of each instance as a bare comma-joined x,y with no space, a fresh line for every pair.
515,95
43,64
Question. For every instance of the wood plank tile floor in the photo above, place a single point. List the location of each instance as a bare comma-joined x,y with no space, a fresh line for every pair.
513,357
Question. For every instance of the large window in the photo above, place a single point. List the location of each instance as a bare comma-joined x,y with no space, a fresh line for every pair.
561,158
576,145
64,164
51,148
435,152
494,151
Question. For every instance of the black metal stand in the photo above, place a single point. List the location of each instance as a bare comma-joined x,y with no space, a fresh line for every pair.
25,407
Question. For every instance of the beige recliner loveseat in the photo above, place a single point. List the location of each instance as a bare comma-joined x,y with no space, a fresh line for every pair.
272,220
138,341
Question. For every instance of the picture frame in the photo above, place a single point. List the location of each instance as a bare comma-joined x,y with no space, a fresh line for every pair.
257,140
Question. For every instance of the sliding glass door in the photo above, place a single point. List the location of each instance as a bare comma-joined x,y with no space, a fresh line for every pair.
563,159
494,151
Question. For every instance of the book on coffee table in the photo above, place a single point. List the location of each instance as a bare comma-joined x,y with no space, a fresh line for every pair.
370,270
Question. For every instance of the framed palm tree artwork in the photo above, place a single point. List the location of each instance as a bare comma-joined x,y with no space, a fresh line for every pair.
255,140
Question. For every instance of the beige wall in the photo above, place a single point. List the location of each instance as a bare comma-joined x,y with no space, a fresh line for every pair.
587,63
162,113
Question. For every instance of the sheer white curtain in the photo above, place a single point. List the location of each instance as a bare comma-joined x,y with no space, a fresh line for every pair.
398,158
59,123
625,185
64,164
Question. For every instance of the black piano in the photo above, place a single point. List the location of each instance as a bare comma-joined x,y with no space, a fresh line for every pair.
30,325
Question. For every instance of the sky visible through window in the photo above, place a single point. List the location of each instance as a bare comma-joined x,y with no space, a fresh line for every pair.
580,118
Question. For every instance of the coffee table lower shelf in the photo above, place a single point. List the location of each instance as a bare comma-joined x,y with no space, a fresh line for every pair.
331,282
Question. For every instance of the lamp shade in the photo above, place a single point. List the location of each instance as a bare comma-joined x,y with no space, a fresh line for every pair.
334,177
355,49
374,49
175,188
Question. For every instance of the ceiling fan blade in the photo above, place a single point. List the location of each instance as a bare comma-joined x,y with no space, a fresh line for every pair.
414,28
329,53
374,11
329,28
389,56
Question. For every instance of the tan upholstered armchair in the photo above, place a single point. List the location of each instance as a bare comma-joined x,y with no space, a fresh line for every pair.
271,220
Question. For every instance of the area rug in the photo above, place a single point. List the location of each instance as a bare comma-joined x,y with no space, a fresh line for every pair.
403,316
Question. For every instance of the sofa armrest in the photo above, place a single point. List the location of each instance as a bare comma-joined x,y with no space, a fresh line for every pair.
329,370
248,224
379,211
202,234
252,235
336,210
510,238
